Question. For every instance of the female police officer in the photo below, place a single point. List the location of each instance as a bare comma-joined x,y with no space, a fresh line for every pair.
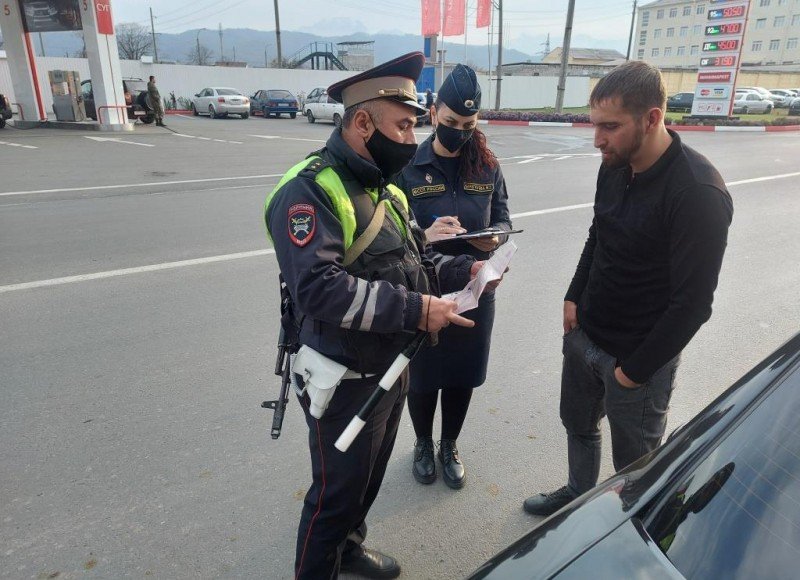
454,184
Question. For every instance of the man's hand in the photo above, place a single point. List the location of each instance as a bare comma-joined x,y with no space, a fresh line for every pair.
438,313
485,244
476,267
623,380
570,316
444,228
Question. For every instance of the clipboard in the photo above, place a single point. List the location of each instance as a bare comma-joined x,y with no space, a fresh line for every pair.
482,234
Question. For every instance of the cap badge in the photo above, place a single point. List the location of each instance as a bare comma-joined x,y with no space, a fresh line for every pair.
469,103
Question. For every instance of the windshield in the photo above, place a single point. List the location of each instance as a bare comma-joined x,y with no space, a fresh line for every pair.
136,86
228,92
279,95
737,514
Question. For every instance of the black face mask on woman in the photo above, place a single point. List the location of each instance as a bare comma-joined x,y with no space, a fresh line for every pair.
452,139
389,155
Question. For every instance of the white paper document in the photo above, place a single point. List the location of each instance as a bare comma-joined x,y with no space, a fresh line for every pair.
493,269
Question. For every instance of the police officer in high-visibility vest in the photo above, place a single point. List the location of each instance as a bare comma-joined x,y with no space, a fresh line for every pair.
352,260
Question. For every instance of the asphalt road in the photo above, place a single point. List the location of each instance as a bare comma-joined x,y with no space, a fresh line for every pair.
138,307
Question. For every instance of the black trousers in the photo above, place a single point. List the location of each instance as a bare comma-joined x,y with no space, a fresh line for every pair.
344,485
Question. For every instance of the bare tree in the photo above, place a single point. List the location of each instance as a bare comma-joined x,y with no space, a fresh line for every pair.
80,53
133,41
200,55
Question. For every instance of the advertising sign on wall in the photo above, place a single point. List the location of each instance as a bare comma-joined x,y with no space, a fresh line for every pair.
50,15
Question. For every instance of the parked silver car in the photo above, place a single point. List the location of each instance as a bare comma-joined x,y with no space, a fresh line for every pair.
321,107
751,102
782,97
221,102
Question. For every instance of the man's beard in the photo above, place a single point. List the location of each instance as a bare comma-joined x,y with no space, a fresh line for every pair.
622,158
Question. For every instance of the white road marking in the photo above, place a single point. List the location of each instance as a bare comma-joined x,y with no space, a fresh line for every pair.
288,138
207,138
554,156
254,253
124,185
529,160
17,145
192,117
118,140
139,270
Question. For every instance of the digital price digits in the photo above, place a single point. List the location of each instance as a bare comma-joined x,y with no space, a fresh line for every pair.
730,12
720,45
718,61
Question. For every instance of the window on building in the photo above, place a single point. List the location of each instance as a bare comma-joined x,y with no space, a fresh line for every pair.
673,12
684,30
668,51
761,23
764,3
781,2
645,18
642,37
695,49
791,43
670,32
774,44
660,14
697,29
681,50
756,47
640,54
687,10
795,19
701,9
779,22
654,52
657,33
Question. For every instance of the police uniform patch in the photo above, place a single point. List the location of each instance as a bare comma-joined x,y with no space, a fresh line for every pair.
302,223
479,188
426,189
428,178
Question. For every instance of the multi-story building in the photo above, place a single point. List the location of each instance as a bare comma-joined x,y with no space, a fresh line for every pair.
670,33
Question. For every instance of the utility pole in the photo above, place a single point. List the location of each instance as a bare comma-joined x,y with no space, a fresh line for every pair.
153,33
546,45
562,78
278,34
499,53
266,60
630,36
41,44
221,56
234,53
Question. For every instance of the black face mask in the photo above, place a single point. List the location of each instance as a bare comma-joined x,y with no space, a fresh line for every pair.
389,155
452,139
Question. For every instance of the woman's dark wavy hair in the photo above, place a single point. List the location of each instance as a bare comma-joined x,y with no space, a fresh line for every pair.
476,157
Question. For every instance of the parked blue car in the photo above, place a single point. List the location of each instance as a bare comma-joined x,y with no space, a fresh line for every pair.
274,102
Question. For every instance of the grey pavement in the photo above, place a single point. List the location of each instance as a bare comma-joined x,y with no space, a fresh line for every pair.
133,442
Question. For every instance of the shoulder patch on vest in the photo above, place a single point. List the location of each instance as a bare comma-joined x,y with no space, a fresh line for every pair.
417,191
302,223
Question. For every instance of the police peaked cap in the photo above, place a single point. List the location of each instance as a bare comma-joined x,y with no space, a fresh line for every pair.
461,92
395,79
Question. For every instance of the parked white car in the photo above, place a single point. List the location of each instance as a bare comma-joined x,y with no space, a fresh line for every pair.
321,107
751,102
221,102
782,97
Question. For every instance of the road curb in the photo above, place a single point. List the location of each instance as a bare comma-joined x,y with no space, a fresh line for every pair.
704,128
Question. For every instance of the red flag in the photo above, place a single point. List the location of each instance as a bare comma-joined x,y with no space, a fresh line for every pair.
431,17
484,13
454,14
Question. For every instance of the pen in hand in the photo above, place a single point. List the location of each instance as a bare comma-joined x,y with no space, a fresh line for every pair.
443,228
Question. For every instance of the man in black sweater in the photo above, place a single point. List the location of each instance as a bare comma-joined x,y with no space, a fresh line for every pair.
644,282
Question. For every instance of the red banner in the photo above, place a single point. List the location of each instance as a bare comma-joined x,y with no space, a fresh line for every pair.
484,13
431,17
105,24
454,15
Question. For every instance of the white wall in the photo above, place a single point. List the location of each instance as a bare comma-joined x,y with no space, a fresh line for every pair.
518,92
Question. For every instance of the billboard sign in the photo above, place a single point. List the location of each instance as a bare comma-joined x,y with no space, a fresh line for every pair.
50,15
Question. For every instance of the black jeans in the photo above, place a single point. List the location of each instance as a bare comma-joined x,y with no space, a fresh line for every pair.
589,391
344,484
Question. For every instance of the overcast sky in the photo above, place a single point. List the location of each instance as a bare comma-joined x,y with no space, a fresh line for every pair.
603,19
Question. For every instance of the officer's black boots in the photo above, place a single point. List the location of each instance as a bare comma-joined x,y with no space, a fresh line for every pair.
545,504
369,563
424,468
452,468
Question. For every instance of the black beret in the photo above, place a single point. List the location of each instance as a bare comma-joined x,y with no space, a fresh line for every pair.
395,79
461,92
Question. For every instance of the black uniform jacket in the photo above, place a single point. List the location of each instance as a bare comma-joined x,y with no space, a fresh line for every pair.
478,203
341,313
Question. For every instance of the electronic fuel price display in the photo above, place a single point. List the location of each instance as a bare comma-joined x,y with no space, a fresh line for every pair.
720,45
725,29
718,61
729,12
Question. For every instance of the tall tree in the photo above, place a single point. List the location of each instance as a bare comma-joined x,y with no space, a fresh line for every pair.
133,40
200,55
